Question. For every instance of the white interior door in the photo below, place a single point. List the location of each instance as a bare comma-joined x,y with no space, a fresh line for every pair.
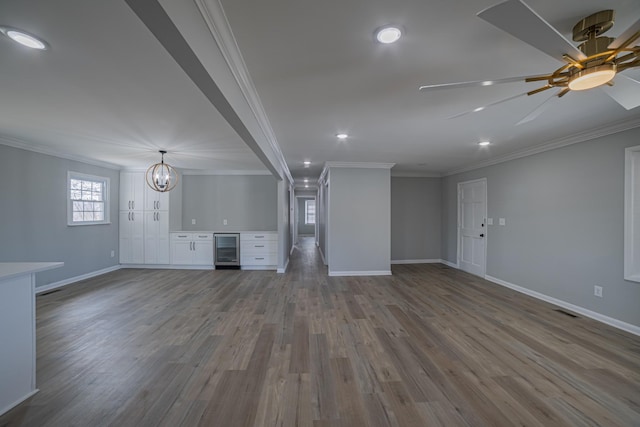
472,230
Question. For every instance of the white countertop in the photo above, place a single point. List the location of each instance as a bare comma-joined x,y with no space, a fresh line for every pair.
13,269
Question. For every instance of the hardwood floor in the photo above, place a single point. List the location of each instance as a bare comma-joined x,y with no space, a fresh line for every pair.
427,346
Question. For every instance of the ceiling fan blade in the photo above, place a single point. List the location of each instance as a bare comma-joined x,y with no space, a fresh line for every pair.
518,19
484,107
538,110
625,91
475,83
627,37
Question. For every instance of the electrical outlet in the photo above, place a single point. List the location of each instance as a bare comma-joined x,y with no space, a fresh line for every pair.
193,222
224,222
113,253
502,221
597,291
489,221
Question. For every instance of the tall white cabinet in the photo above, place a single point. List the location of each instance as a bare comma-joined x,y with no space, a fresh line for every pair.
146,216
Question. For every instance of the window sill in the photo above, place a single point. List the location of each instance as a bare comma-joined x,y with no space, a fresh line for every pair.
88,223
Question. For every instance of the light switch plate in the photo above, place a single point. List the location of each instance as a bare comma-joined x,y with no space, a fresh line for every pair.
489,221
502,221
224,222
193,222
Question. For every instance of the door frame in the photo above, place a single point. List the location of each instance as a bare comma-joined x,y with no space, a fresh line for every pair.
458,223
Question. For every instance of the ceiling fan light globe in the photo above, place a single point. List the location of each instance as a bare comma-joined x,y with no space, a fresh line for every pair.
592,77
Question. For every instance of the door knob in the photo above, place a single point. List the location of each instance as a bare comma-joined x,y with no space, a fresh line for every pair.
482,235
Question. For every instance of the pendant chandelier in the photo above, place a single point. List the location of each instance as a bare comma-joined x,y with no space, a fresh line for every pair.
161,176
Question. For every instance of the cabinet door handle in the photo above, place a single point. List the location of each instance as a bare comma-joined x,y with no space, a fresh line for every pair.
129,216
194,246
259,258
158,204
259,237
133,216
258,246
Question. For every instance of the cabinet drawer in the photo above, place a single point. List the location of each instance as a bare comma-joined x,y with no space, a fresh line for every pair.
266,259
258,236
203,236
181,236
258,247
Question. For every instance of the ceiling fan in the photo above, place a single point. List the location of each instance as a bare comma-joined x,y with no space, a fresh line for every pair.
594,63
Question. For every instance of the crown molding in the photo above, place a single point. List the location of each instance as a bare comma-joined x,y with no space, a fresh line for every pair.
615,127
362,165
23,145
194,172
219,27
408,174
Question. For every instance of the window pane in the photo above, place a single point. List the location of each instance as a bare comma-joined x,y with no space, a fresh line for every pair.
88,199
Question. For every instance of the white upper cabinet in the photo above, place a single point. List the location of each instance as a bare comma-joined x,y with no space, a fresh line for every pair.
155,200
132,191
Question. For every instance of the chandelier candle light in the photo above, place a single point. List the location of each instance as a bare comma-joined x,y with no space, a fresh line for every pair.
161,176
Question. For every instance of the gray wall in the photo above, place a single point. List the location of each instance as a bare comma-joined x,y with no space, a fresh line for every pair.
415,218
564,213
247,202
359,220
304,229
33,216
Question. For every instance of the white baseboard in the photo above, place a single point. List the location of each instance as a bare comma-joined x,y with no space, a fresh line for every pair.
169,266
17,402
284,269
449,263
416,261
324,261
360,273
585,312
259,267
65,282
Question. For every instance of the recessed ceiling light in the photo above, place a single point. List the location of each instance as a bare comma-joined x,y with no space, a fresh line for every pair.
24,38
306,180
484,143
388,34
342,136
307,163
306,186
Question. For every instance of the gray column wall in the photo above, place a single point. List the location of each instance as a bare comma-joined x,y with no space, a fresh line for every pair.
33,216
564,212
359,220
415,218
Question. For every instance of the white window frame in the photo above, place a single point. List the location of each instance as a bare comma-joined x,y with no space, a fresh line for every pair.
632,214
106,182
306,212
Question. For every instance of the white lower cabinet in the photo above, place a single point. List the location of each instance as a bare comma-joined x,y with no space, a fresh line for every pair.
156,237
192,249
131,237
259,250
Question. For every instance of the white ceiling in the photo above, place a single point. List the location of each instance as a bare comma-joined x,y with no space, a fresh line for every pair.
108,91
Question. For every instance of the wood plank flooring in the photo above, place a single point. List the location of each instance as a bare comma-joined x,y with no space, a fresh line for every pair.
428,346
